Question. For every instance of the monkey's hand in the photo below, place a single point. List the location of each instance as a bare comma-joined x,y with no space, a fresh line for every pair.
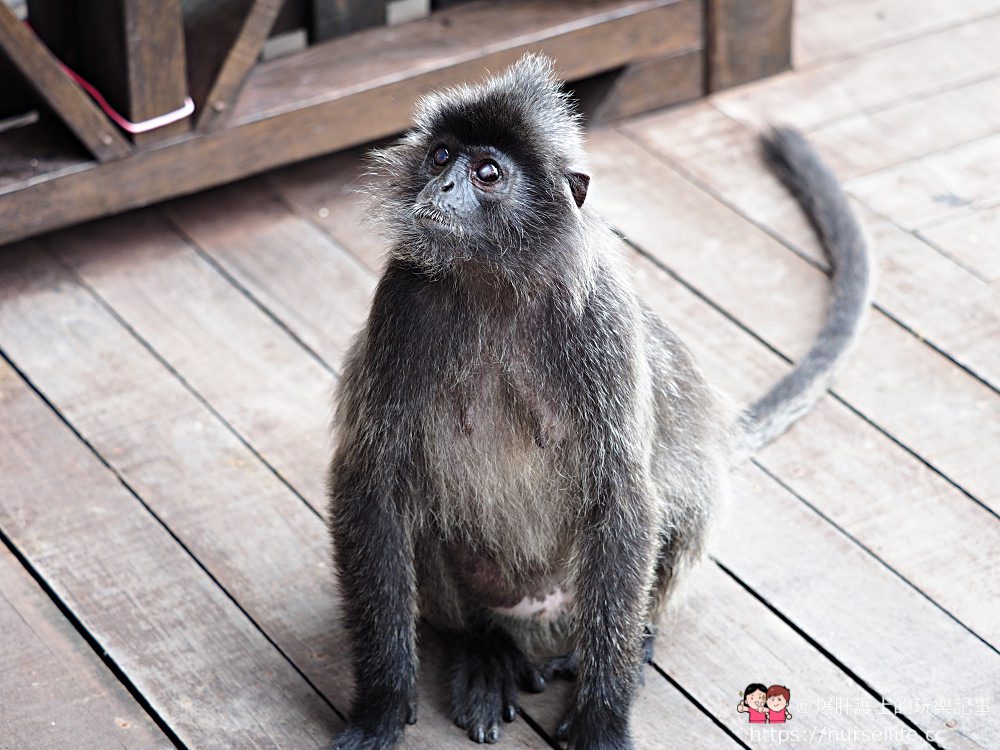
581,732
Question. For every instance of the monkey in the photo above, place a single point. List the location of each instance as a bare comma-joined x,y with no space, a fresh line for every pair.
527,458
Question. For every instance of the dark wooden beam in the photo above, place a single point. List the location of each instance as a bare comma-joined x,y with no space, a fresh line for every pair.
747,40
41,69
650,84
244,49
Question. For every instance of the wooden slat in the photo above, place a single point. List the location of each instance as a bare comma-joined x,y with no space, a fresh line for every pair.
332,18
971,240
826,30
868,141
326,192
187,648
885,632
229,378
68,100
243,52
747,40
937,410
875,79
365,101
935,187
54,690
941,301
279,239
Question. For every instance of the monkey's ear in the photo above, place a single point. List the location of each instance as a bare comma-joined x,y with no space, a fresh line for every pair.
578,184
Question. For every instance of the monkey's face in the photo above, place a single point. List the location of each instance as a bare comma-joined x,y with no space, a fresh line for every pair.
485,176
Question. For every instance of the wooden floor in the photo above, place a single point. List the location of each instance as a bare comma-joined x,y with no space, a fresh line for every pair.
164,391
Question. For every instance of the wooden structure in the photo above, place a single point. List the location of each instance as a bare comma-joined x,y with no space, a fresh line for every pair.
357,82
165,375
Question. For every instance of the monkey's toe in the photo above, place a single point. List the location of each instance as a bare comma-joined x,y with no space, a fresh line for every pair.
488,669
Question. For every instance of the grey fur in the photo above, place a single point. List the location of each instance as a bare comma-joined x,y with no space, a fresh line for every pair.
513,422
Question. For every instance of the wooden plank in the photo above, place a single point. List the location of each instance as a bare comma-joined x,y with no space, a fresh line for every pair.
585,38
876,79
970,240
937,410
887,634
325,191
230,377
942,302
650,84
55,691
935,187
332,18
186,647
283,416
243,52
280,239
233,514
67,99
833,29
860,143
747,40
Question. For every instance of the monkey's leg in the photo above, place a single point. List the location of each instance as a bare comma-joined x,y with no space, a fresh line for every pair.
488,670
374,557
612,583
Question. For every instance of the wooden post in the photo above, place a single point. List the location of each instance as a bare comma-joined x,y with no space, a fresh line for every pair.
747,40
133,52
332,18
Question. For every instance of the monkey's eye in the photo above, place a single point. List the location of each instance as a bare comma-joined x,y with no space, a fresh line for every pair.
441,156
488,171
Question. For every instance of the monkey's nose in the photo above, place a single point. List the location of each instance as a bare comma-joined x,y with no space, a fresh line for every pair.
447,186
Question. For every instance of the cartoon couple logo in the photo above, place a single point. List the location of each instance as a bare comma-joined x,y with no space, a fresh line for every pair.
766,705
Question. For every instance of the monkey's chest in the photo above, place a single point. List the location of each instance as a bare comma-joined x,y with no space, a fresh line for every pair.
497,472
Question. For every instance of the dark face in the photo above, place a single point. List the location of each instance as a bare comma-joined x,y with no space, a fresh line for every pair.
469,192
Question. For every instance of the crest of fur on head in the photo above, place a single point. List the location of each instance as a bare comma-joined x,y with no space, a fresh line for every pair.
524,113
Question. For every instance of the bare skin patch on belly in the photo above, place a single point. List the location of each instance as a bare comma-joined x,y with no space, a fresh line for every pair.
548,608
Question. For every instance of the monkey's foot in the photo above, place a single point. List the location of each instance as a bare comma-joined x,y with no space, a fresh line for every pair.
356,738
488,671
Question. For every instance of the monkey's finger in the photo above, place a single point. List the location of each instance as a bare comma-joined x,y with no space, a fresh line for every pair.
411,713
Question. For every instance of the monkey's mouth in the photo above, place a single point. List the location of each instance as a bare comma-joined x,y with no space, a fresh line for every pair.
429,218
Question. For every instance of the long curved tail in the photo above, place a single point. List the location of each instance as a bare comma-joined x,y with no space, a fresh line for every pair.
815,188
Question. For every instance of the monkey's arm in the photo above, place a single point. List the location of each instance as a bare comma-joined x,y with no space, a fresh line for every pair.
374,556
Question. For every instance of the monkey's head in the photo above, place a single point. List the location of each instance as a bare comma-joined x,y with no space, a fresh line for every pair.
488,176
